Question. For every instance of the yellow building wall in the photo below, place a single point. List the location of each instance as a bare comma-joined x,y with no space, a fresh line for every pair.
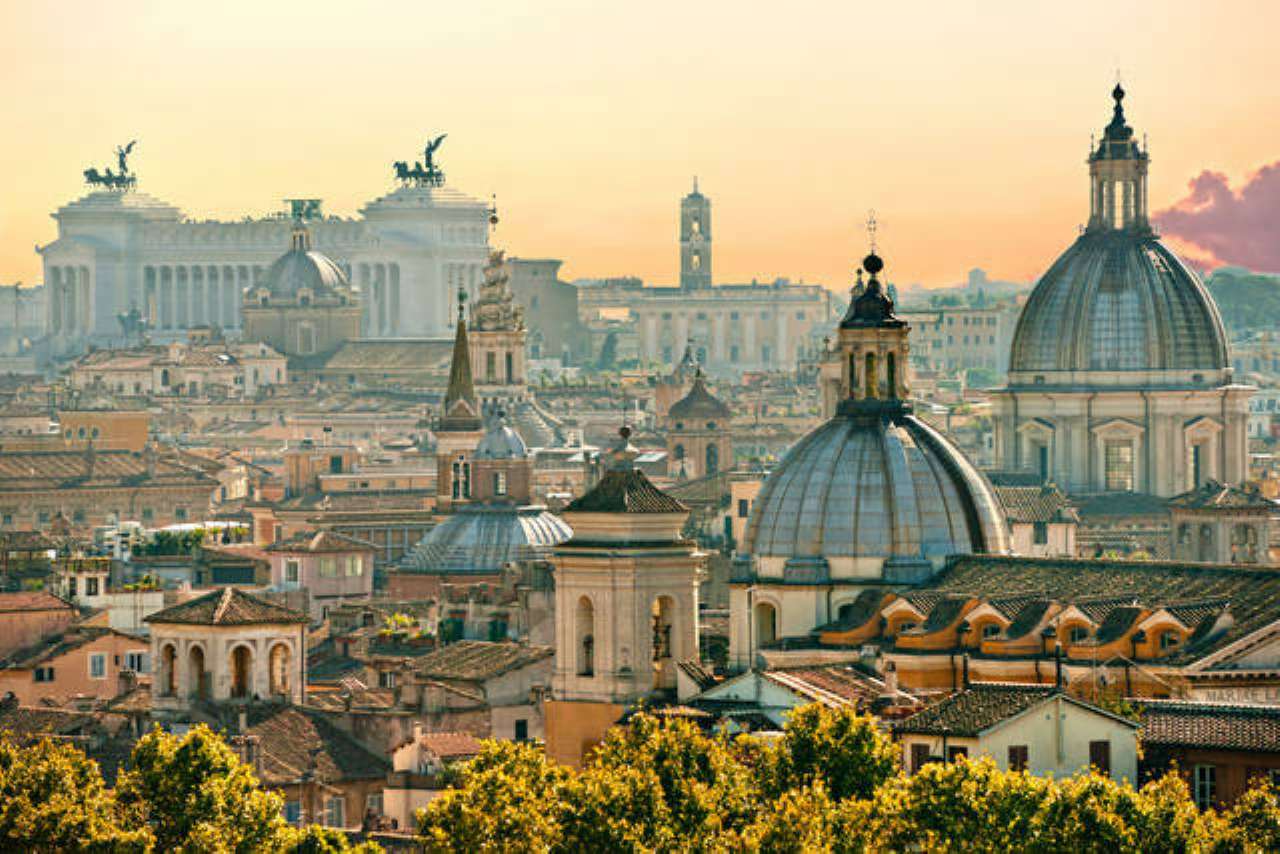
574,728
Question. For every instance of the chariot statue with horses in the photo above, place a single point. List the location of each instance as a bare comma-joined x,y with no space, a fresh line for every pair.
425,172
121,180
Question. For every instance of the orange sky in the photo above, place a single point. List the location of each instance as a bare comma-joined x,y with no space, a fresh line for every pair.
965,125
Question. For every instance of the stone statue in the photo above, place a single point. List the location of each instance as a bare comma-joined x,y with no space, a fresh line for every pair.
430,152
122,156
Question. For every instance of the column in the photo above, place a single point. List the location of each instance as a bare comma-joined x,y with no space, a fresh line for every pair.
395,297
86,301
1127,202
380,300
751,356
181,298
197,296
69,299
781,358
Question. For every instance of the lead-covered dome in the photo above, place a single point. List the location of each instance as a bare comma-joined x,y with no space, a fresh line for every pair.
303,268
890,489
1118,300
485,539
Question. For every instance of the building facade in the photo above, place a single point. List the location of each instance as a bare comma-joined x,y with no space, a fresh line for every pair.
407,253
1119,377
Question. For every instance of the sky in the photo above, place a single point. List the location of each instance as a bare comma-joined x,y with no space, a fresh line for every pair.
964,125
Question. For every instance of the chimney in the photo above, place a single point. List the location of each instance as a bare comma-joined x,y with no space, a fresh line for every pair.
891,680
1057,667
126,682
965,665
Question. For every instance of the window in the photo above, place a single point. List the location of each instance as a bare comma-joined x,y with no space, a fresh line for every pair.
373,803
355,566
522,730
335,813
180,514
98,665
1119,466
1169,639
990,630
957,751
1040,533
499,483
1018,756
292,812
91,587
744,508
386,679
328,567
919,756
136,661
72,587
1100,756
490,366
1078,634
291,571
148,514
1206,786
44,674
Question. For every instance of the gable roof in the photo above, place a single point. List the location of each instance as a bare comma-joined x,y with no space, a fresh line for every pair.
320,542
289,738
985,705
229,607
1030,504
450,745
472,660
33,600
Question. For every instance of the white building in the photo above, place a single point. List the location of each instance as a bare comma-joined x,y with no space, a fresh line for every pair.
408,252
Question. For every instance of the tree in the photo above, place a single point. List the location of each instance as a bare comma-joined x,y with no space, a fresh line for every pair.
838,747
1253,824
314,839
195,794
508,799
52,798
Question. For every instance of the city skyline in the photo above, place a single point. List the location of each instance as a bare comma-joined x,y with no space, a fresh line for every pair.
589,149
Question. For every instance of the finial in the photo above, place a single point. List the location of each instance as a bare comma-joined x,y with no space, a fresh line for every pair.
625,432
872,225
695,183
493,210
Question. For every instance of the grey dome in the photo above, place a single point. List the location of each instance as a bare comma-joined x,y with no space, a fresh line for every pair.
1119,300
485,539
303,267
865,487
501,443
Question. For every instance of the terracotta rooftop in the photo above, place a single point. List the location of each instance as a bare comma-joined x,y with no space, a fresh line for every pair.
471,660
831,685
1030,504
1220,496
290,741
973,711
33,600
625,492
320,542
450,745
1210,726
228,607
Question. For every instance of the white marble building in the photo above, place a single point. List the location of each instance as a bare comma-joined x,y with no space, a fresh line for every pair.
407,252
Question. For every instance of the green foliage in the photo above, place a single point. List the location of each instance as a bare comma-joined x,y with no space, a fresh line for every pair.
52,798
1253,824
839,748
195,794
1247,301
314,839
174,543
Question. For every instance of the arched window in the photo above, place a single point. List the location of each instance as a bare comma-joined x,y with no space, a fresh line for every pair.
853,374
197,681
1078,634
1184,534
766,624
279,663
869,374
891,377
1206,542
586,642
990,630
499,483
168,670
511,367
241,672
678,452
663,618
1169,639
713,459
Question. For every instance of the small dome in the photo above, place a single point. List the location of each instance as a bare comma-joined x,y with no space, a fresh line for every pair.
699,404
303,267
1119,300
486,539
501,443
863,487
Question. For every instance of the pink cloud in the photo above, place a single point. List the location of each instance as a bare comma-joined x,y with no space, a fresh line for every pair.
1229,227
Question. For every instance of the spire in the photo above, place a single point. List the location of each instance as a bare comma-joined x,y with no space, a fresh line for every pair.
695,185
871,307
461,409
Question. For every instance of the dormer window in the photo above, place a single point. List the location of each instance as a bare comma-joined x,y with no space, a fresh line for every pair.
1169,639
1078,634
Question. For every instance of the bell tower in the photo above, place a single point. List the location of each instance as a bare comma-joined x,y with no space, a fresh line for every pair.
695,240
872,346
626,604
1118,176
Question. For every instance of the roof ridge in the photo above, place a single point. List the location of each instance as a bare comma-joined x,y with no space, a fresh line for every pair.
223,605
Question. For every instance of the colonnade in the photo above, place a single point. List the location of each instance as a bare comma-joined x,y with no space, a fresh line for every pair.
180,296
379,285
70,300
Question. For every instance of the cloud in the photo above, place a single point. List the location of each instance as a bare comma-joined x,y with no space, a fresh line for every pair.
1231,228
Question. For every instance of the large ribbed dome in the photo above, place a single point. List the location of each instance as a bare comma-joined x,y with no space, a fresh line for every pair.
865,488
1119,300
